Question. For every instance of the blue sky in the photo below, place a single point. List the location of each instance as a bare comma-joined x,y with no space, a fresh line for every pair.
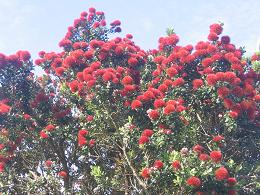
36,25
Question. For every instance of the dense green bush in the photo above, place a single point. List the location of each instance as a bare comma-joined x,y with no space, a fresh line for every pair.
111,118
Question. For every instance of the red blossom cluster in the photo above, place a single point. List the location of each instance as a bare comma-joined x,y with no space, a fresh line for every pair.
4,108
91,73
82,137
146,172
7,148
15,60
161,88
221,66
221,173
48,163
194,181
176,164
215,156
146,134
92,23
63,174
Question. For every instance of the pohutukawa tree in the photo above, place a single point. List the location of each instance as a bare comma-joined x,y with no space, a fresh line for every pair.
111,118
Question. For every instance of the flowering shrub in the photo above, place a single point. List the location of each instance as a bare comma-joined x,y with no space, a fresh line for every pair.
109,117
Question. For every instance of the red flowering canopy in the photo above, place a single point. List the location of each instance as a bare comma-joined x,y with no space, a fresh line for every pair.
108,117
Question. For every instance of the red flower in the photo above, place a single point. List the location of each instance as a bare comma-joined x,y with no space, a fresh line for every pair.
69,61
158,103
257,98
206,62
198,148
221,173
132,61
115,23
13,59
91,83
129,36
216,156
176,164
158,164
116,80
127,103
89,54
231,181
194,181
48,163
221,76
212,36
4,108
197,83
170,108
119,50
180,108
204,157
217,138
82,141
233,114
24,55
228,103
91,10
207,70
216,28
59,71
163,88
147,133
107,76
80,76
146,173
50,127
211,79
171,72
245,105
26,116
83,132
168,82
2,167
136,104
2,146
90,118
81,137
153,114
43,135
127,80
230,76
148,95
223,92
65,43
92,142
143,139
178,82
63,174
73,86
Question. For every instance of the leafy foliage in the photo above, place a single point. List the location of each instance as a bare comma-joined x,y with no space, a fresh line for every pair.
111,118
